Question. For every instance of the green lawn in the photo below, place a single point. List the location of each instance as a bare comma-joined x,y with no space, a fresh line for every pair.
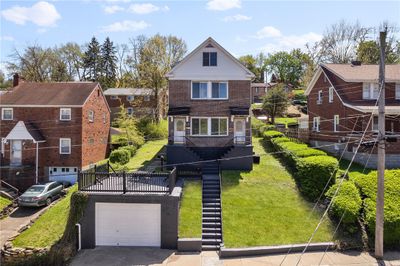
285,120
49,228
143,155
264,207
190,210
4,202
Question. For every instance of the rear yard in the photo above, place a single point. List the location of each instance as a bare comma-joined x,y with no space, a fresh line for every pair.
264,207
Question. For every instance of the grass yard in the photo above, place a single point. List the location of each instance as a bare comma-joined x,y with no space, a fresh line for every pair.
143,155
190,210
264,207
285,120
49,228
4,202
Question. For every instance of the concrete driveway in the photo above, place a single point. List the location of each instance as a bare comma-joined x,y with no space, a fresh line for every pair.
19,218
124,256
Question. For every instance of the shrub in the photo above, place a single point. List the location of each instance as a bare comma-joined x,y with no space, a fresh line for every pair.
123,140
346,203
307,152
275,141
120,156
152,130
131,149
257,127
299,95
313,173
368,186
270,134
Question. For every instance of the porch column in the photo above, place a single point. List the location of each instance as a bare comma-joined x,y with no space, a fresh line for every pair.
37,162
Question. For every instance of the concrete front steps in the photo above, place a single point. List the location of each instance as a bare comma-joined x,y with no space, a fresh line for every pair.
211,223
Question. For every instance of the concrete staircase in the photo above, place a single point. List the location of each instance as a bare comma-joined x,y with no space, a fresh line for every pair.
8,193
212,220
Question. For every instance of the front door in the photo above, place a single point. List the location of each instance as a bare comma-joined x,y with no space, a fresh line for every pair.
16,152
179,130
240,131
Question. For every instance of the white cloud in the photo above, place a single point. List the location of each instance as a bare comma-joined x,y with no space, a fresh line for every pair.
126,25
221,5
42,14
238,17
7,38
145,8
287,43
268,32
112,9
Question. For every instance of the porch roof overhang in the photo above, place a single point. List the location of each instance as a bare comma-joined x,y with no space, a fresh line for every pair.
239,110
389,110
22,131
179,111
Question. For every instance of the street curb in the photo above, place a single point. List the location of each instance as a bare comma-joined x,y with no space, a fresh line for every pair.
267,250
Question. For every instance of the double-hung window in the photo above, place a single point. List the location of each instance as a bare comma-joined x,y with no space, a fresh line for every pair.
65,146
91,116
129,111
7,114
199,126
336,123
316,123
210,90
370,91
219,126
330,94
130,98
397,91
319,99
65,114
210,59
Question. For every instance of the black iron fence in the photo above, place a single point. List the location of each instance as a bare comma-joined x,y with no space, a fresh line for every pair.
125,182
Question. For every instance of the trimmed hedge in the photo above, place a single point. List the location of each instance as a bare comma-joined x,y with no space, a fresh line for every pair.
270,134
131,149
347,203
257,127
313,173
368,187
275,141
120,156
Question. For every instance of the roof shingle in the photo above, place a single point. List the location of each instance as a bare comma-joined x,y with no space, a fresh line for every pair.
363,73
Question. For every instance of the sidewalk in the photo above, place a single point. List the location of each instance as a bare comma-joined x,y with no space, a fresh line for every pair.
124,256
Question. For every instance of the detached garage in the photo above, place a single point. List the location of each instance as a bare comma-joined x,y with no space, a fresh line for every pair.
136,219
128,224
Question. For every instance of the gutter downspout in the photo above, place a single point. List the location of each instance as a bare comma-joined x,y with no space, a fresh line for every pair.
37,162
79,236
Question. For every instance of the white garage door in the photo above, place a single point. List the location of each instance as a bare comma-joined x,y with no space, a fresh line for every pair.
128,224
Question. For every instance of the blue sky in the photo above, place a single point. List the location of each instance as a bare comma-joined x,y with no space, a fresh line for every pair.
240,26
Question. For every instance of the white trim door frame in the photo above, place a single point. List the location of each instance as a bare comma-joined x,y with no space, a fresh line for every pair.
16,152
179,130
239,129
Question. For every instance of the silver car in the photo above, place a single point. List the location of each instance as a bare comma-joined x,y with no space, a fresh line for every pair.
38,195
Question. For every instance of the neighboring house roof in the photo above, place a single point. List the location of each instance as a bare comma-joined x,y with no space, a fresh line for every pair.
216,45
259,85
128,91
364,73
25,131
389,110
48,94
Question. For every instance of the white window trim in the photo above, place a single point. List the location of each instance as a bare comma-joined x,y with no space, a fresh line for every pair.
70,114
371,91
91,116
316,123
70,148
209,90
336,122
104,118
7,109
209,126
319,99
330,94
397,91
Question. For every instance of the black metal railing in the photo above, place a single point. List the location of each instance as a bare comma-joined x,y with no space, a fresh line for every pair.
125,182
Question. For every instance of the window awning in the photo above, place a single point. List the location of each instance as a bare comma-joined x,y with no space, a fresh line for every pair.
25,131
239,110
179,111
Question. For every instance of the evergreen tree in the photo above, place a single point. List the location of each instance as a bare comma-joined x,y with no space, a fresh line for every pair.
109,64
92,61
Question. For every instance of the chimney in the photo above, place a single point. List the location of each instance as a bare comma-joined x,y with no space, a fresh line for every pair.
15,80
355,63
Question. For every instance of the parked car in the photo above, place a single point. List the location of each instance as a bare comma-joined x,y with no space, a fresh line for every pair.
40,194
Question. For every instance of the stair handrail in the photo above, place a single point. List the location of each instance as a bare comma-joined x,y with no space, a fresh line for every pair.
187,140
220,202
16,190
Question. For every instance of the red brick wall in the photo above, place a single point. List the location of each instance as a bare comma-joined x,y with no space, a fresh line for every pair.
95,135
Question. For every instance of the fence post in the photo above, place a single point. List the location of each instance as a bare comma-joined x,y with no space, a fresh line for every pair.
172,180
79,179
124,182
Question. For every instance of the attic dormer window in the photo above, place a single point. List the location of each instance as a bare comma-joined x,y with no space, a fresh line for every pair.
210,59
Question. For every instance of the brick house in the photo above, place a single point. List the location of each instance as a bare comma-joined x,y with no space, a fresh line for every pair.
51,130
138,102
209,103
259,90
341,100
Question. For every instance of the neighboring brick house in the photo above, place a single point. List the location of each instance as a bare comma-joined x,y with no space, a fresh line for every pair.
49,131
259,90
209,103
138,102
341,99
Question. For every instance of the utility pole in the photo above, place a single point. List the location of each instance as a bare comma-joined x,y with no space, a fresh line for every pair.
381,151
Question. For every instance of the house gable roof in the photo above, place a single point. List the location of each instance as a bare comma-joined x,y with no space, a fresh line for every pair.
72,94
195,70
